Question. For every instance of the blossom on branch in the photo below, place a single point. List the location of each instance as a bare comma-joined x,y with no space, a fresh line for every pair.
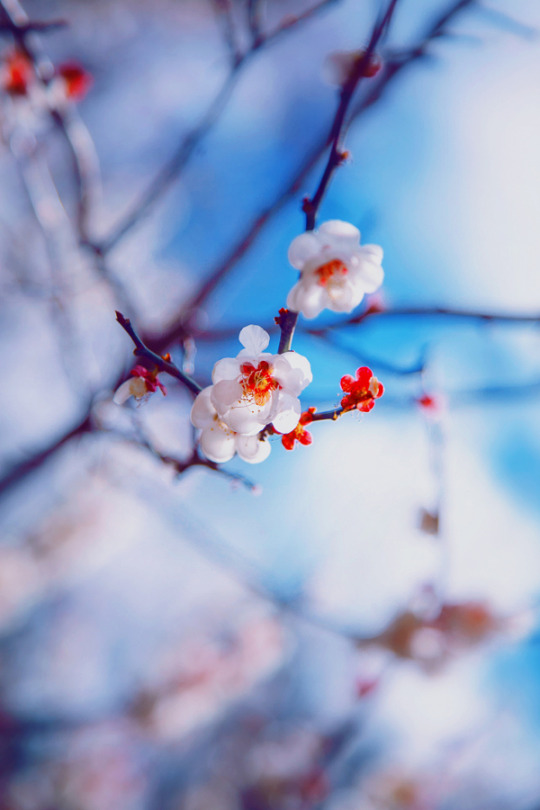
144,382
299,434
362,391
74,79
336,271
218,442
256,388
17,73
339,66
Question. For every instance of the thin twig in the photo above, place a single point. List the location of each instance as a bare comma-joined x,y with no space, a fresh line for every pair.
163,363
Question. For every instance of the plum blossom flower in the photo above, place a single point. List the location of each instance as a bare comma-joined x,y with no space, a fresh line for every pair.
218,442
144,382
362,391
256,388
336,271
299,434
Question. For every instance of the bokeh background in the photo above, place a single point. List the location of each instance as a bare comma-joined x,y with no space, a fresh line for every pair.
355,626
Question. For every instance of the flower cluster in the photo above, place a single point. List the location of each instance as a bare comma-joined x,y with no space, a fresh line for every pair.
144,382
336,271
70,81
256,393
362,391
251,391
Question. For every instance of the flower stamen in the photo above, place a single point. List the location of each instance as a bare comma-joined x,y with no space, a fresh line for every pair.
326,272
258,383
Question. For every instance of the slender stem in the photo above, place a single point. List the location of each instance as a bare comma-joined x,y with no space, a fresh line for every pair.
325,415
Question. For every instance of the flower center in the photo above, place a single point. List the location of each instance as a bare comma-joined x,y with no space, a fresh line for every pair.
332,271
258,383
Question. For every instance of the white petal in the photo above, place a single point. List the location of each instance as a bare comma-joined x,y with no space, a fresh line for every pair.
303,248
372,276
252,449
306,298
123,393
254,339
292,371
224,394
341,234
202,411
375,252
289,413
227,368
345,299
217,443
247,419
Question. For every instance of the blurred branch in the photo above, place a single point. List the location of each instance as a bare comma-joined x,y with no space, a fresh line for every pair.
67,121
254,11
171,170
85,164
224,15
36,26
18,472
508,22
437,313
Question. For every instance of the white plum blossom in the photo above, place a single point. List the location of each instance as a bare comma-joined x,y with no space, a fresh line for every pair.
257,388
218,442
336,271
250,391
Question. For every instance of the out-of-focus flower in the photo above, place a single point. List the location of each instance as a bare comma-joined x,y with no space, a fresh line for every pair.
361,392
144,382
468,622
431,405
336,271
338,66
17,73
218,442
299,434
76,81
256,388
400,790
432,641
